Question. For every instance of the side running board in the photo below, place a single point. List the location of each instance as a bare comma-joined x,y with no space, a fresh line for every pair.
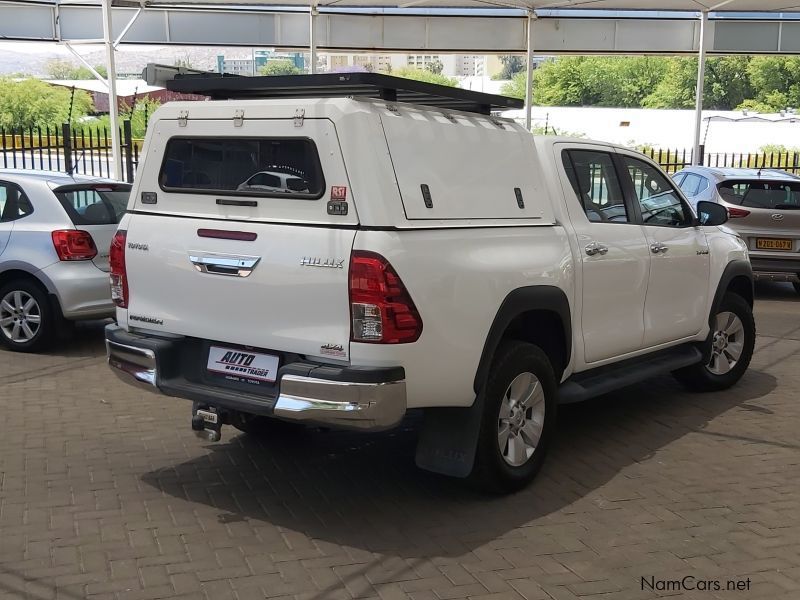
602,380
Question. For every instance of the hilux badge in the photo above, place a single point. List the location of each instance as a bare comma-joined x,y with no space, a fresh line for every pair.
313,261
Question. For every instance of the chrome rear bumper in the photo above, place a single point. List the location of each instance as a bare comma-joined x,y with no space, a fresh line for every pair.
349,405
346,398
136,366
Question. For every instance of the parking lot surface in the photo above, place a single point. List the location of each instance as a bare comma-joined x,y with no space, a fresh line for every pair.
105,493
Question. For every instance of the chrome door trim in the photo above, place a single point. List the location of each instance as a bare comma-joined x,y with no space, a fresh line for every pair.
224,264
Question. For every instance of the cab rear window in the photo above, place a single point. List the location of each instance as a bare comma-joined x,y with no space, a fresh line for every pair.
771,195
270,167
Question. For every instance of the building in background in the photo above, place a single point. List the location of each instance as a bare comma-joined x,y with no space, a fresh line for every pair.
259,58
452,65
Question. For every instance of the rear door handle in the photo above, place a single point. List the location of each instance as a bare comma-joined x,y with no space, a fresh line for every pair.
219,264
596,248
658,248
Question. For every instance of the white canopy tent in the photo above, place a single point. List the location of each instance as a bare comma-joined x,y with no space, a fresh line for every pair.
366,9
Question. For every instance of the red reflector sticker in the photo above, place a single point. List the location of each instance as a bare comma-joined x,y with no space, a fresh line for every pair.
338,192
222,234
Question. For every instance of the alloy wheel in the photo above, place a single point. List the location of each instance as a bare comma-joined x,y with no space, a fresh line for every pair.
20,316
521,419
727,343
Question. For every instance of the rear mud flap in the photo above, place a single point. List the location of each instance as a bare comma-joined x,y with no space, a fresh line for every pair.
449,439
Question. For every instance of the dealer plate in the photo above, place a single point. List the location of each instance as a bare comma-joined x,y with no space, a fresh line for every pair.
774,244
242,365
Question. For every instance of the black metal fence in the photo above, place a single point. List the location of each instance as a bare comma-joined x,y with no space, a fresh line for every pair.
673,161
87,150
72,149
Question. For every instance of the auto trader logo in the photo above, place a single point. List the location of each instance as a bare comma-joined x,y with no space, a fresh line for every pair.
238,358
240,363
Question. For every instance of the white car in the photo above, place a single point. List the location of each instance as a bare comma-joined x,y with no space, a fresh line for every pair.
407,278
55,231
274,181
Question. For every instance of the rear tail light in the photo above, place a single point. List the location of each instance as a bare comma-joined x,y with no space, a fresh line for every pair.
737,213
74,244
119,276
381,310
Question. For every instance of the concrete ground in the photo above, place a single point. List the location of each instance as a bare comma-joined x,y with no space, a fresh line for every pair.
106,493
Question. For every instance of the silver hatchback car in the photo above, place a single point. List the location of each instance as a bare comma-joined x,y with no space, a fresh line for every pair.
55,234
764,208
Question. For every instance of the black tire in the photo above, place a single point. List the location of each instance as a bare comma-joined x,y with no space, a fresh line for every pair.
491,471
699,377
43,335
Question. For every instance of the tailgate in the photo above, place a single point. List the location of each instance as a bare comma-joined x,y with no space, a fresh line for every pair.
278,185
285,290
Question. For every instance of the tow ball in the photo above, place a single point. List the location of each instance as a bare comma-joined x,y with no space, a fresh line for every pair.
207,423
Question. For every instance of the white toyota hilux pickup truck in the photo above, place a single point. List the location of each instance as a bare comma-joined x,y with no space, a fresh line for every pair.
338,261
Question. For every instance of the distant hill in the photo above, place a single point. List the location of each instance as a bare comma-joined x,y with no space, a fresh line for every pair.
32,58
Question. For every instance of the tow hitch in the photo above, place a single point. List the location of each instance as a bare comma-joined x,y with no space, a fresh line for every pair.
207,423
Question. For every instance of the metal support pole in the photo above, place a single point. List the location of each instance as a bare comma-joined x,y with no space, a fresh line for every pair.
127,27
529,72
697,158
92,70
312,38
116,155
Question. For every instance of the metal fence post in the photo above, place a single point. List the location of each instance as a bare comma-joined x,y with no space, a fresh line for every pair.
66,135
127,142
701,158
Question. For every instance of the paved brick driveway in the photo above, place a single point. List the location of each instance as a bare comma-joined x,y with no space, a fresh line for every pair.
105,493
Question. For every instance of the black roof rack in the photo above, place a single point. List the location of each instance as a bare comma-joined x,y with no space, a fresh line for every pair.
333,85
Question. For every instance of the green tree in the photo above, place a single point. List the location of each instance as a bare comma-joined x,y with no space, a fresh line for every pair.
62,69
727,84
279,67
677,88
775,82
591,81
512,65
435,66
423,75
34,103
763,83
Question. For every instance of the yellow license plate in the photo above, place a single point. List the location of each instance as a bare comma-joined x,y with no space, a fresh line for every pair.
767,244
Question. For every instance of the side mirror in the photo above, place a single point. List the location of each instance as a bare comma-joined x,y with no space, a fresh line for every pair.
711,213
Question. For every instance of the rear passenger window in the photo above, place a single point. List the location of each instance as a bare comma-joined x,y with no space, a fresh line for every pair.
277,167
594,179
94,205
691,184
14,204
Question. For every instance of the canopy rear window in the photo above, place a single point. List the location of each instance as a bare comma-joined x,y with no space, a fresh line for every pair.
770,195
94,204
243,166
